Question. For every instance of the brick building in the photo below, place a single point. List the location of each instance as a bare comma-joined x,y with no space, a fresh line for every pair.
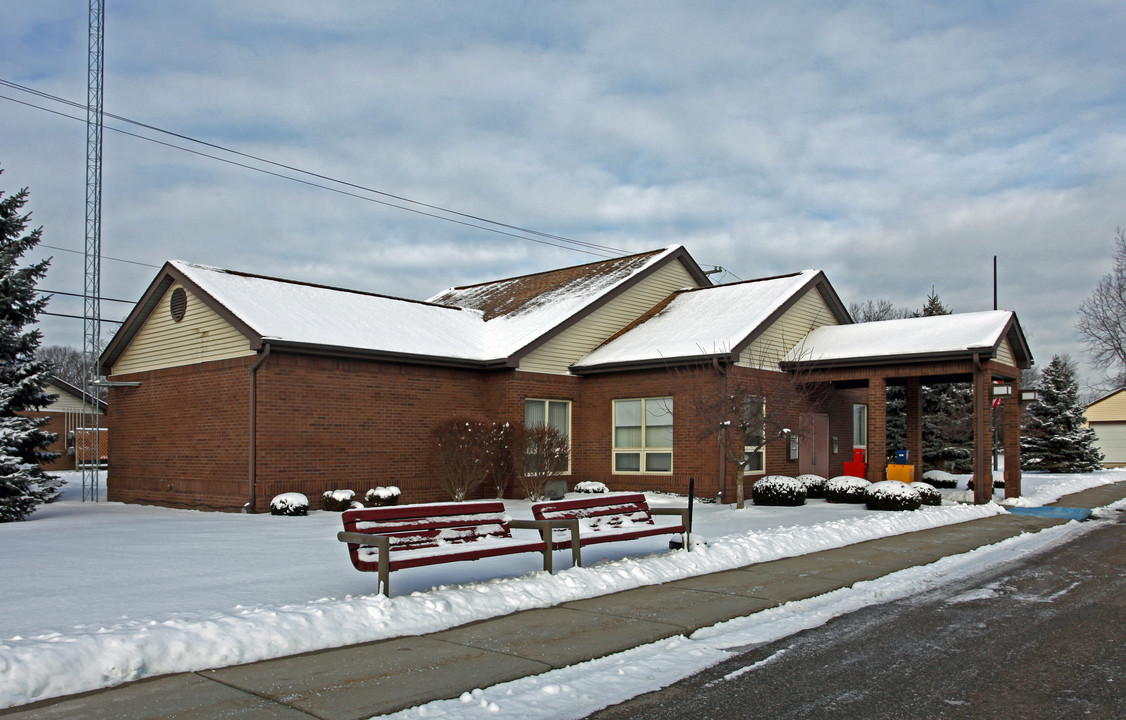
233,387
67,419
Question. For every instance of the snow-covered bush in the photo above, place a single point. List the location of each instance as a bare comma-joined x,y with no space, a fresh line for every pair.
591,487
291,503
846,489
383,496
927,493
814,485
778,490
940,479
892,495
337,500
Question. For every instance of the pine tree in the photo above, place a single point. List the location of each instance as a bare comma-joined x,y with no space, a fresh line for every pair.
23,443
1056,438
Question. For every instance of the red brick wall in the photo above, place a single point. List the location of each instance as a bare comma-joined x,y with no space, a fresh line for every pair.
182,437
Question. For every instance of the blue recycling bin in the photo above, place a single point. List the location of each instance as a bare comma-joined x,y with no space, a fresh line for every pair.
901,457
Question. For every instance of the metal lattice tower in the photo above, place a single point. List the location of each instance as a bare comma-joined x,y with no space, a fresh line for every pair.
92,291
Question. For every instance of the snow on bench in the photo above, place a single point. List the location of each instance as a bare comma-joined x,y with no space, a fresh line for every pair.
607,518
383,539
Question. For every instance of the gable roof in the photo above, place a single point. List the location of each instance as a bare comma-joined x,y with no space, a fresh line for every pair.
919,339
1111,406
75,392
712,322
487,325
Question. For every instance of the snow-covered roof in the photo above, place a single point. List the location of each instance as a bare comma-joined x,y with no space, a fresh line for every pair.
889,340
702,322
282,310
489,324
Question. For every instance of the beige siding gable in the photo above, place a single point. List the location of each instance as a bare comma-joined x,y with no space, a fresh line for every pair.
556,355
66,400
1111,409
807,314
1005,353
201,336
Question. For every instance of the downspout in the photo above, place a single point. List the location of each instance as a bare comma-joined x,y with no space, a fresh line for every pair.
253,442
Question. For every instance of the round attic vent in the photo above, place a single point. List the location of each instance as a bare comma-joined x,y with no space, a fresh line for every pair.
178,304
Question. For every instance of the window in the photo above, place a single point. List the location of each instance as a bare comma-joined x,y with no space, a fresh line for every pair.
859,426
754,453
643,435
556,413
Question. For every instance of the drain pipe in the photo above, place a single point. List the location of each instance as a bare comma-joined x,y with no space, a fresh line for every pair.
253,443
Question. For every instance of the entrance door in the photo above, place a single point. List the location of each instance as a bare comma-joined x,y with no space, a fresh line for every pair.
813,444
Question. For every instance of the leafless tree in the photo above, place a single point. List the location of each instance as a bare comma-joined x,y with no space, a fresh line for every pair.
875,310
753,409
1102,316
548,453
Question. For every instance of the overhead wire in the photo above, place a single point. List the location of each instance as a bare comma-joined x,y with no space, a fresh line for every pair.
578,245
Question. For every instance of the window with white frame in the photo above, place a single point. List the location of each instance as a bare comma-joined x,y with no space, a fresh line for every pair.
556,413
860,426
643,435
754,452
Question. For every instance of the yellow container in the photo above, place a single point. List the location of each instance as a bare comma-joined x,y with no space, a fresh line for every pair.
902,473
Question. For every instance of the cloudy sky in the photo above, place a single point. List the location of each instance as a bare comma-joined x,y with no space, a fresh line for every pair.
897,146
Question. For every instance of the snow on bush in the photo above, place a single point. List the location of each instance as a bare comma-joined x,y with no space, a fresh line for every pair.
383,496
940,479
778,490
337,500
594,488
892,495
846,489
927,493
290,503
814,485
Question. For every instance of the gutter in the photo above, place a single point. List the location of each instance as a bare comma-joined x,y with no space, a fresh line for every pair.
253,442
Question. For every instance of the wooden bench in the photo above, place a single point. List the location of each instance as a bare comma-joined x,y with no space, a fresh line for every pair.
607,518
383,539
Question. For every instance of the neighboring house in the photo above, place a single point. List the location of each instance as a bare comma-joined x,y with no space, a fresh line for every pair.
67,421
1107,417
233,387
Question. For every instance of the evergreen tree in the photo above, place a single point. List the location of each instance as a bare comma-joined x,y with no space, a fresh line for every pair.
1056,438
23,443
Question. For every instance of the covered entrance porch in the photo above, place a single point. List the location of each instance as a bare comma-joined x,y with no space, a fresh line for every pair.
985,349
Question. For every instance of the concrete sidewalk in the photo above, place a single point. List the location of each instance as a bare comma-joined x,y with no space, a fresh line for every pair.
380,677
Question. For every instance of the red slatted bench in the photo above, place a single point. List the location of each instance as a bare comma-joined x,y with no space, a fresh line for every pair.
607,518
389,538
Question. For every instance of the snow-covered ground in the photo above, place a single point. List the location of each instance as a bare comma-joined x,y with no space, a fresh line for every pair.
96,594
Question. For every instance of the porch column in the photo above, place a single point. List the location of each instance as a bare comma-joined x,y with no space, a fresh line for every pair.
877,429
983,440
915,425
1010,407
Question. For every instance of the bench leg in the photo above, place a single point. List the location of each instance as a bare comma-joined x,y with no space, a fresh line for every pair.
385,566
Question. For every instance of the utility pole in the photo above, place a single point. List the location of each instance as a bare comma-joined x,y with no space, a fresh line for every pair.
90,445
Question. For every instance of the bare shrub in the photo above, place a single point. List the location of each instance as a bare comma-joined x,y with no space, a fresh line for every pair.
460,455
548,453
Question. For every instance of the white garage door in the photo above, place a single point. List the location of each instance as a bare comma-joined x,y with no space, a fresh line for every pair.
1112,441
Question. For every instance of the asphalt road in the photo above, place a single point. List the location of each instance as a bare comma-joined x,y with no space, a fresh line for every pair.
1044,637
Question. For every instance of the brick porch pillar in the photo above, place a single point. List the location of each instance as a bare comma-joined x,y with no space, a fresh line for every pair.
877,429
983,438
915,425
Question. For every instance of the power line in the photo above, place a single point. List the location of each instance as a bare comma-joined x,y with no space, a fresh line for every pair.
103,299
79,317
79,252
578,245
